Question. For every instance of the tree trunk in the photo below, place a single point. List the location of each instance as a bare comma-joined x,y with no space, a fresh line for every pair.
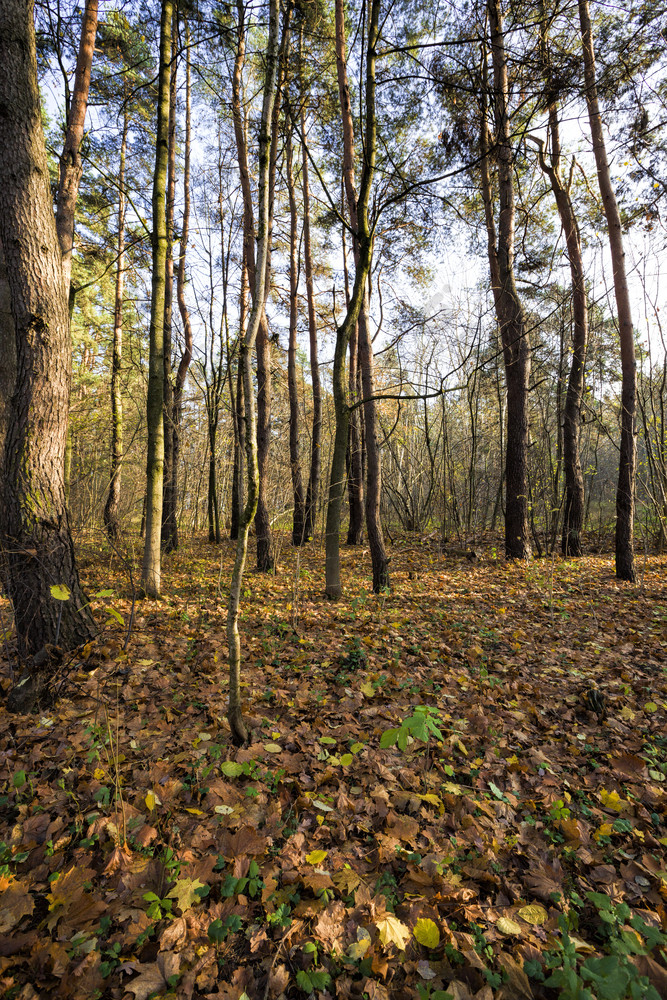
234,714
111,522
516,345
238,415
168,497
214,535
186,356
312,493
151,568
298,516
364,240
71,164
625,493
34,528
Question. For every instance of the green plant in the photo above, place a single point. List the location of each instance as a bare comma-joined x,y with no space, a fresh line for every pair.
158,908
314,979
421,725
611,976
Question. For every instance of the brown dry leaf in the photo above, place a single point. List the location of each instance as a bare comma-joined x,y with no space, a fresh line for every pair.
278,979
517,985
155,977
15,902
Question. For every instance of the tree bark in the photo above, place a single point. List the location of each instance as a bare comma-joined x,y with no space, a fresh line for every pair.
169,498
111,521
34,528
71,164
186,356
312,493
364,239
298,516
515,341
151,568
625,493
235,714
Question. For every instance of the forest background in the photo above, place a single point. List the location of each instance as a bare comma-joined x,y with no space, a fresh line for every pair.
244,293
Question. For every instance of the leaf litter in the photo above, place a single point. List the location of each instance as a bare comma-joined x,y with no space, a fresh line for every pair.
512,825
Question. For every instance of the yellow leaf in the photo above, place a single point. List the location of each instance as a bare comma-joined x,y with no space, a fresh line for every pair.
367,689
451,788
612,800
60,592
195,812
393,931
184,892
316,857
152,800
533,914
507,926
605,830
650,706
98,773
426,932
273,748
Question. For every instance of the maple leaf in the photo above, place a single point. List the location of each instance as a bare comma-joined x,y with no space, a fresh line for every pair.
15,902
155,977
185,893
393,931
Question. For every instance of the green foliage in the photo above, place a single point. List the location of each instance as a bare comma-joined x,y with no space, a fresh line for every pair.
313,980
421,725
612,976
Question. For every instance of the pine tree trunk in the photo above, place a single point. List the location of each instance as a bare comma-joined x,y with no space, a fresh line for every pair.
151,568
111,521
625,493
34,527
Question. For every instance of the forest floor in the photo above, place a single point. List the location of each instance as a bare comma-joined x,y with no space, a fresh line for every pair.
515,848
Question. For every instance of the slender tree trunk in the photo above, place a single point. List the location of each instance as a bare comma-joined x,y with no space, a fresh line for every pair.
365,246
239,415
71,164
298,517
34,529
312,494
573,518
214,535
234,714
516,345
186,356
111,522
168,497
625,493
151,568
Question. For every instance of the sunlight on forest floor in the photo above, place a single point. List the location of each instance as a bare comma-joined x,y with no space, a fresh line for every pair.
517,843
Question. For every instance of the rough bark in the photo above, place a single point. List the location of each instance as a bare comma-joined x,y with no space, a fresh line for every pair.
625,493
151,567
34,530
514,336
111,521
7,356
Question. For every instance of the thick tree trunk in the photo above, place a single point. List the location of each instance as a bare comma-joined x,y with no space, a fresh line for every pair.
7,357
625,493
151,568
234,714
111,522
168,494
516,345
38,554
